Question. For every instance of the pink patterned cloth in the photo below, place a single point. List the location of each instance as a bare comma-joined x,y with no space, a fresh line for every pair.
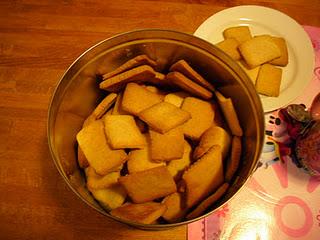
280,201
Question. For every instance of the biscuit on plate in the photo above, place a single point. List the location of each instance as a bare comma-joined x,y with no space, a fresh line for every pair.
149,184
234,158
240,33
183,67
229,114
111,197
269,80
96,149
284,58
123,132
259,50
140,159
166,146
186,84
176,98
203,177
175,209
230,47
119,81
215,135
251,72
202,116
133,62
137,98
146,213
96,181
209,201
164,116
176,167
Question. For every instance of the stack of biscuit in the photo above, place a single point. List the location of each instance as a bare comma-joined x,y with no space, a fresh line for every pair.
159,148
261,57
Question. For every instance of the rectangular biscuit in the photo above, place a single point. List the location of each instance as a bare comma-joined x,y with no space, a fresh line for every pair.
229,114
203,176
122,132
259,50
284,58
148,185
96,181
104,105
164,116
145,213
240,33
167,146
137,98
202,116
118,82
230,47
131,63
96,149
175,209
234,158
180,80
269,80
183,67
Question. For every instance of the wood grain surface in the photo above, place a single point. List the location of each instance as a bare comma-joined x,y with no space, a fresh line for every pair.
38,41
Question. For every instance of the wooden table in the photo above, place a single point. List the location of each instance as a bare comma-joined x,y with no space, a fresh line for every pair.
38,41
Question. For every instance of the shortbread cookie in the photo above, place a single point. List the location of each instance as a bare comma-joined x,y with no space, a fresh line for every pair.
96,181
269,80
82,160
259,50
132,63
164,116
148,185
203,177
234,159
215,135
240,33
202,116
251,72
117,109
175,209
209,201
186,84
145,213
167,146
118,82
284,58
96,149
176,98
183,67
104,105
137,98
230,114
122,132
230,47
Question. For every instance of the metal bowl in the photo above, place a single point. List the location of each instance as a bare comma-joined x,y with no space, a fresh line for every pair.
78,93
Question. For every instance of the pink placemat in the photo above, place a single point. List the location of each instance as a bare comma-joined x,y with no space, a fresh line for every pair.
280,201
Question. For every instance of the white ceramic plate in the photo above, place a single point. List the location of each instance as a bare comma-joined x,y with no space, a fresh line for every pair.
261,20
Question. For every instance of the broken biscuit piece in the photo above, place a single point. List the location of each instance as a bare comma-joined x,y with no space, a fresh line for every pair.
148,185
164,116
118,82
132,63
186,84
122,132
203,177
145,213
183,67
96,149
